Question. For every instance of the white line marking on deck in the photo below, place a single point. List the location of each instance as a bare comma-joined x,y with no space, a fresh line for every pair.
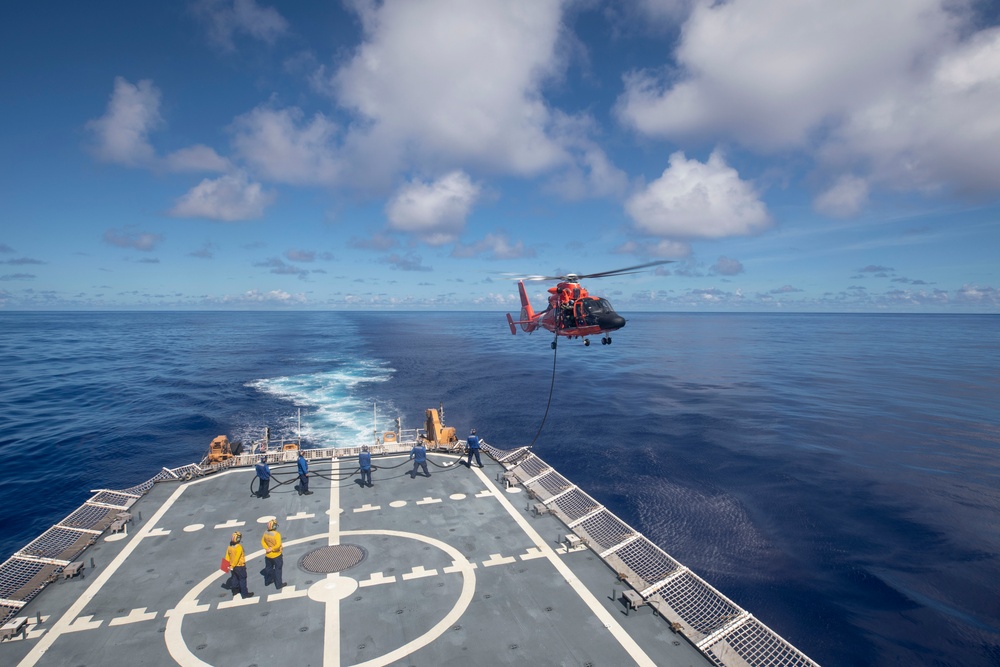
286,593
532,553
497,559
428,501
367,508
456,568
238,601
418,572
485,493
232,523
134,616
299,515
83,623
331,616
377,579
103,576
629,644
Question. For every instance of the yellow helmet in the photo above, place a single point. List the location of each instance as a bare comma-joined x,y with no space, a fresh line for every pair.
237,536
272,524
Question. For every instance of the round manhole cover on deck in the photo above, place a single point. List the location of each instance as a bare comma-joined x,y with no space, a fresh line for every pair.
334,558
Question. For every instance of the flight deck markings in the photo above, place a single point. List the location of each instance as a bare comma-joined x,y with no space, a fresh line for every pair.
367,507
428,501
232,523
299,515
610,622
134,616
376,579
418,572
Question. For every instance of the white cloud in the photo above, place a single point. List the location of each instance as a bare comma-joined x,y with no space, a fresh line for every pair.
196,158
131,238
282,148
769,72
727,266
225,19
939,131
845,198
229,198
450,81
662,248
122,132
698,200
901,92
494,246
270,297
436,211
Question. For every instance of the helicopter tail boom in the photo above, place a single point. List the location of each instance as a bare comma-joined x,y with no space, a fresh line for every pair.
528,320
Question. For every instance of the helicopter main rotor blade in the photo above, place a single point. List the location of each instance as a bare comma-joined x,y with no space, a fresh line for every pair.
627,270
616,272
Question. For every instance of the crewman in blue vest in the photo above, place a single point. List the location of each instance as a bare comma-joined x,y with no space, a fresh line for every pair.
473,445
264,475
303,486
365,463
419,457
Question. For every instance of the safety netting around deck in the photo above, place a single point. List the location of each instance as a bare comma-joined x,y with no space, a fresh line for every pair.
727,634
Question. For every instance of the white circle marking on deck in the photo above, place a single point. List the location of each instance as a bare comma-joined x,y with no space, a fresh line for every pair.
114,537
514,489
457,496
182,655
265,519
333,588
193,527
397,503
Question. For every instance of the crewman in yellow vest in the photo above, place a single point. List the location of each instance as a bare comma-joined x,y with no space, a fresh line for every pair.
237,566
273,561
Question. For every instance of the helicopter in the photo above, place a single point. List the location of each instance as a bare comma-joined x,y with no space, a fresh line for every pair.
572,312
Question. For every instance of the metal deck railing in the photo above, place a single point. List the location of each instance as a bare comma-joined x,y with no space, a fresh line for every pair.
727,634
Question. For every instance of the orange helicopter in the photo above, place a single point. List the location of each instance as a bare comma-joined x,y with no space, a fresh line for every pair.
572,311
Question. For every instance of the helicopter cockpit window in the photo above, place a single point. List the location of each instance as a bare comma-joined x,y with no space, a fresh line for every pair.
587,311
597,306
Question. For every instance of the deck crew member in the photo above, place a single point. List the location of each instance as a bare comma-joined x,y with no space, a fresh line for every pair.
303,475
365,463
473,445
237,566
273,560
419,457
264,475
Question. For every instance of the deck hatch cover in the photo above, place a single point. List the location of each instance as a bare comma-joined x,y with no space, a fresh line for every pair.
334,558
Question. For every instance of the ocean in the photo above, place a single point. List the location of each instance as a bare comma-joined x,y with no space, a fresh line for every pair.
836,475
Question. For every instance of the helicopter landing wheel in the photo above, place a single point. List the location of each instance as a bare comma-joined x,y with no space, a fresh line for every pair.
586,342
609,340
604,341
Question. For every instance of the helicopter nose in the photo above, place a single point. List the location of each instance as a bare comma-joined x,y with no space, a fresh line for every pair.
611,322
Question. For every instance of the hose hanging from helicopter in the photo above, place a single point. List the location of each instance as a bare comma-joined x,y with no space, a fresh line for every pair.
601,318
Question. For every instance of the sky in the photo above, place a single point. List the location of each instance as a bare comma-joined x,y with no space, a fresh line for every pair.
787,155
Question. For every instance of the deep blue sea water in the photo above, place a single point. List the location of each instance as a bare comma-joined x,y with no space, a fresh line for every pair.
836,475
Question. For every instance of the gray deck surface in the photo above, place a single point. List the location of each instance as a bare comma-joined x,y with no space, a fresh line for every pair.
457,572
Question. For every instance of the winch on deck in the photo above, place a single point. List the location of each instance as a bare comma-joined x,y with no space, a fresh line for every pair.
437,435
221,449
